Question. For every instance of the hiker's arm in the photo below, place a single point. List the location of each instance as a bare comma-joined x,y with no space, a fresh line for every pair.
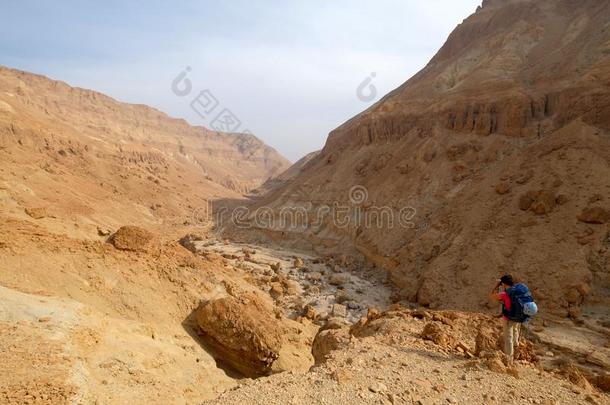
494,292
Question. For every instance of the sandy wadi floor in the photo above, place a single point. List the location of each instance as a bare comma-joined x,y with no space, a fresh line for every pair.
320,283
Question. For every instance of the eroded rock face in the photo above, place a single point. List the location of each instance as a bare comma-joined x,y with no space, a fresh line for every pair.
245,333
603,382
493,153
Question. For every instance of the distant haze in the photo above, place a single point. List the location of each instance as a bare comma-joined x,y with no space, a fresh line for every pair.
288,71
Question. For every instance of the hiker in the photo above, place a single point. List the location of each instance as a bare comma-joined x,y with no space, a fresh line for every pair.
517,307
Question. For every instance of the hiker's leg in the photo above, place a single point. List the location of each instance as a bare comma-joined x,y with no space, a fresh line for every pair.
517,333
524,330
508,340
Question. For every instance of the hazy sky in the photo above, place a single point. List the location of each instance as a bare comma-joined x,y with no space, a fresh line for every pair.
287,70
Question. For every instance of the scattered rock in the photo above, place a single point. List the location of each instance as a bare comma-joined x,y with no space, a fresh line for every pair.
494,362
335,323
503,188
342,376
276,290
486,340
524,177
403,168
188,242
526,352
310,312
313,289
540,202
103,231
574,312
353,305
574,296
434,332
561,199
339,310
429,155
291,287
572,373
342,296
335,269
378,387
36,213
594,215
372,314
337,279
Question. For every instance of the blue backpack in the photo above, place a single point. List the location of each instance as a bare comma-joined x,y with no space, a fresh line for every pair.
522,304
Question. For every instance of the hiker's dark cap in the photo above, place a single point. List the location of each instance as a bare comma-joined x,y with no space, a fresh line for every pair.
507,279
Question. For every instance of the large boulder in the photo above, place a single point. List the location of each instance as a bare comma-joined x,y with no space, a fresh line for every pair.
329,340
334,335
245,333
132,238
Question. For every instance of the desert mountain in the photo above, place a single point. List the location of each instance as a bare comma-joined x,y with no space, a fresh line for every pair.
285,177
80,154
500,147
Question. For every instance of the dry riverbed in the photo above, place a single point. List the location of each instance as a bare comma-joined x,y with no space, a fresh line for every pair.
298,281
